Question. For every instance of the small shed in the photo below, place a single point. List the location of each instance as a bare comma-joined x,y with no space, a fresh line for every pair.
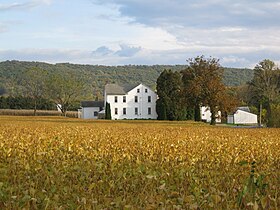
91,109
242,116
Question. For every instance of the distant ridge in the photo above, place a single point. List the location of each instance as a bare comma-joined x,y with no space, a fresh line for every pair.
97,76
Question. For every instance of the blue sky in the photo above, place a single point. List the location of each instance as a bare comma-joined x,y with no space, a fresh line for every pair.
118,32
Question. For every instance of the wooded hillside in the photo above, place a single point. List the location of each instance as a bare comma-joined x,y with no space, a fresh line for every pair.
96,76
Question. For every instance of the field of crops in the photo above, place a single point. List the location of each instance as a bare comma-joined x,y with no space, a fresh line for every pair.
29,112
60,163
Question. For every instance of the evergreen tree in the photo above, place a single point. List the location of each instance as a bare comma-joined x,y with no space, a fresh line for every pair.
189,113
108,111
170,105
160,109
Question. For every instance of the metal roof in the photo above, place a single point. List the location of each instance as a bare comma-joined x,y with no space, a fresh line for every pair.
115,89
92,103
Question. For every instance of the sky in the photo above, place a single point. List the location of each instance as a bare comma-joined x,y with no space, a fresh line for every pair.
240,33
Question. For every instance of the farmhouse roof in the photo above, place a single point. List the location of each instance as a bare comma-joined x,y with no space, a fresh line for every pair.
92,103
115,89
244,108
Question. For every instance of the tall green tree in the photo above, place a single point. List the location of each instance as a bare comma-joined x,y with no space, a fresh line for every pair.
170,105
108,111
265,85
161,109
34,85
64,90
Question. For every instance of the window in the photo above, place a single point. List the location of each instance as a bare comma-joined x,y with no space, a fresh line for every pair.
116,99
136,99
116,111
124,111
146,90
136,111
95,114
124,99
138,90
149,99
149,110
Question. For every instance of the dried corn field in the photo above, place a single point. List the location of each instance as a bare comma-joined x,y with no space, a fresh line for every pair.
60,163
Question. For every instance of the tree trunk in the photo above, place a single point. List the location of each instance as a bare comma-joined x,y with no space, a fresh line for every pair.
213,116
260,117
65,111
35,107
268,114
197,114
213,120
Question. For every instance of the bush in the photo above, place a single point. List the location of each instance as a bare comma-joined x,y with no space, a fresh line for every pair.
275,116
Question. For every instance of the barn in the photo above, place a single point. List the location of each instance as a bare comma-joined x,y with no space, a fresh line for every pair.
242,116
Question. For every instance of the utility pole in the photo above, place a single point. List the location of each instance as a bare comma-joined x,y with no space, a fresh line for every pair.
260,117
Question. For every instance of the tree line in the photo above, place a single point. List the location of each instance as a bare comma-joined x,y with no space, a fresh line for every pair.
25,102
41,89
97,76
264,91
181,94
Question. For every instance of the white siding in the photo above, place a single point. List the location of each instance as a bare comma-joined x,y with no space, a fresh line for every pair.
130,104
242,117
230,119
88,112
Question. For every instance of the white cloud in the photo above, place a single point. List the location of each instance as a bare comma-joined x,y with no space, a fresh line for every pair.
232,60
207,13
48,2
45,55
240,33
25,5
102,51
127,51
143,56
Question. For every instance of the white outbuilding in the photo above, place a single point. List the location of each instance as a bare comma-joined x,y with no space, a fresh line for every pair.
242,116
90,109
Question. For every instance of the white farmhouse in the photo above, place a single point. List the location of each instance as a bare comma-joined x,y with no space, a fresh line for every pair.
126,102
131,101
90,109
206,115
242,116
